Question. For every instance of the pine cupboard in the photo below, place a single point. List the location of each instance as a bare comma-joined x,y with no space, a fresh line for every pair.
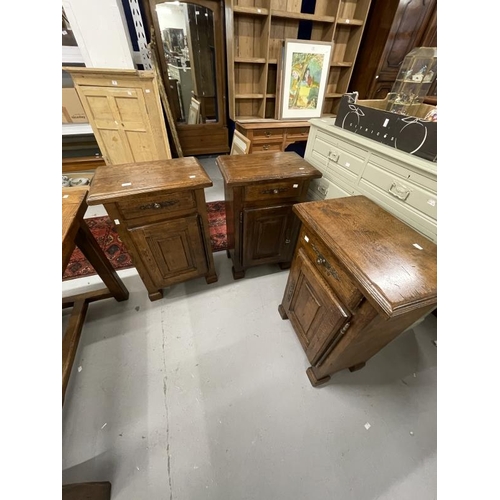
124,109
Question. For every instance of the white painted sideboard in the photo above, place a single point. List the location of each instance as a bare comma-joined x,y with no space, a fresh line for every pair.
403,184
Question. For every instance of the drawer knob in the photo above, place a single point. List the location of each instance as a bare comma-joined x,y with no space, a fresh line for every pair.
320,261
156,205
266,147
268,134
287,242
275,191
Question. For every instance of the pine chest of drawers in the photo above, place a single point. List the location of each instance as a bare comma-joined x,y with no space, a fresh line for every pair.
359,278
160,213
260,191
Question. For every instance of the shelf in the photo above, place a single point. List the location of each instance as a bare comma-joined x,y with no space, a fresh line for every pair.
256,30
249,96
76,128
251,60
341,64
252,11
351,22
303,17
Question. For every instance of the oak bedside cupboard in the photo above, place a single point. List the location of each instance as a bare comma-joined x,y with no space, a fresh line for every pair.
359,278
160,213
260,191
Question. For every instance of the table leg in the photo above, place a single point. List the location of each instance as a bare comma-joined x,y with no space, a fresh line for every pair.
93,252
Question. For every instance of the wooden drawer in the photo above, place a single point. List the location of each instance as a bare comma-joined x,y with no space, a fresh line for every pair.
401,190
279,191
300,133
330,269
268,147
148,205
266,134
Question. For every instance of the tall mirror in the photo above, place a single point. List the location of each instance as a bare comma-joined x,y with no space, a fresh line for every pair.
188,38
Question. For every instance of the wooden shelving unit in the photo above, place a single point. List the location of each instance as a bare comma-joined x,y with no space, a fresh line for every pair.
255,32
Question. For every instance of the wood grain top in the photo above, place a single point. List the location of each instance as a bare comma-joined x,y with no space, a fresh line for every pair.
242,169
395,265
120,182
73,210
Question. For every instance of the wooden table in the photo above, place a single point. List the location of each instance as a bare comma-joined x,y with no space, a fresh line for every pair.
75,232
273,136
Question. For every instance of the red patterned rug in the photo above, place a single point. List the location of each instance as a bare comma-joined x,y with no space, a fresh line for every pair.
106,235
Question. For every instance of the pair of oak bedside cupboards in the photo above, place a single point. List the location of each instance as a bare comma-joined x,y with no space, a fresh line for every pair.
159,209
358,276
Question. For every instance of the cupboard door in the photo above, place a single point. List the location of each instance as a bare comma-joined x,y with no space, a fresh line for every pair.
316,313
122,125
126,117
173,250
270,235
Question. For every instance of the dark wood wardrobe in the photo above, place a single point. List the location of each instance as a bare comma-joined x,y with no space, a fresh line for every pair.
393,29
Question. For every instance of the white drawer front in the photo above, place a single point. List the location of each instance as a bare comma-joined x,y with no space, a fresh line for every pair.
402,190
346,157
427,181
323,189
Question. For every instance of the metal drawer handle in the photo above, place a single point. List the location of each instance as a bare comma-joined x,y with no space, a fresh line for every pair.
265,147
399,191
273,191
333,155
268,134
321,261
157,205
323,190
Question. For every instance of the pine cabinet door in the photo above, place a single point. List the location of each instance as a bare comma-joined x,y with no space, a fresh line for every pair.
125,113
316,313
270,235
173,251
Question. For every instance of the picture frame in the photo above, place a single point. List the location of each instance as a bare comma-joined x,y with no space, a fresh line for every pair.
194,112
304,73
240,144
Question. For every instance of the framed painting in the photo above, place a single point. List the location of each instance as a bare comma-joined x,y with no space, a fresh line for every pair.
304,76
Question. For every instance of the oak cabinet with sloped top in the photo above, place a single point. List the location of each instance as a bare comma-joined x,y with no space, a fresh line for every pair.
359,278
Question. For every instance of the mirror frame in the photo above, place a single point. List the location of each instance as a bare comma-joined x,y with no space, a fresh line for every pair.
204,138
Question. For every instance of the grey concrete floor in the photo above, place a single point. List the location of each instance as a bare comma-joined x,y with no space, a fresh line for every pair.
204,395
